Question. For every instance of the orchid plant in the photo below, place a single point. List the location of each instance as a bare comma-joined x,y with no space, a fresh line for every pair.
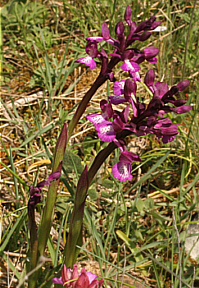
112,126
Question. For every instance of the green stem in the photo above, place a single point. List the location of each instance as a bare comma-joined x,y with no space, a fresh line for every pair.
74,239
33,244
87,97
84,102
47,216
38,246
75,230
99,160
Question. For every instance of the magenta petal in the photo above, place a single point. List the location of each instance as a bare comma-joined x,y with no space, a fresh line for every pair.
130,66
116,100
57,280
111,76
129,88
128,55
33,190
71,278
150,52
105,32
54,176
96,283
170,131
88,61
149,78
75,273
105,131
135,76
118,87
66,274
153,60
91,277
145,36
135,110
183,84
127,15
161,88
106,108
96,118
95,38
122,171
119,29
182,109
125,113
167,139
179,102
111,41
82,281
120,144
126,66
129,157
156,24
118,124
114,54
43,183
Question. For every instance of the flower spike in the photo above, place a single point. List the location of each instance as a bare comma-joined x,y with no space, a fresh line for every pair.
114,125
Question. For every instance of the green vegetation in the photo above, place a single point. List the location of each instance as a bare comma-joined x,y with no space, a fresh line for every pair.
132,230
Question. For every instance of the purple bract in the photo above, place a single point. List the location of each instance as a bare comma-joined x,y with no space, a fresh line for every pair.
36,192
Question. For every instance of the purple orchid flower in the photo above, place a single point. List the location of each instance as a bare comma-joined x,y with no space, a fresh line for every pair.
144,117
166,130
98,118
122,169
118,87
130,66
150,53
36,192
72,279
114,125
128,89
91,50
163,95
131,57
107,130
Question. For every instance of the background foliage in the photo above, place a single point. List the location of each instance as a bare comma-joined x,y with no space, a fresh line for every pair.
131,229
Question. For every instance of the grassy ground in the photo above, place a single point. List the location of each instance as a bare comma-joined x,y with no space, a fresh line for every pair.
134,230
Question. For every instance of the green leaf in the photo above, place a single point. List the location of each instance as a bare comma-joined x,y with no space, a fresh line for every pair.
105,194
159,217
107,183
93,194
72,162
19,223
140,205
131,245
149,203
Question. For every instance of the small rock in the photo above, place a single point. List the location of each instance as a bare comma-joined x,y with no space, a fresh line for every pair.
193,240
